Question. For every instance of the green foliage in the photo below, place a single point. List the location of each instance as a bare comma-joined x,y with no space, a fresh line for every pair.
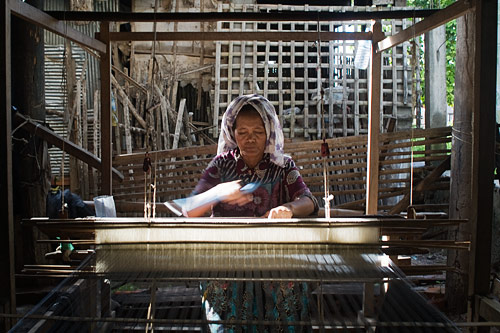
451,37
418,148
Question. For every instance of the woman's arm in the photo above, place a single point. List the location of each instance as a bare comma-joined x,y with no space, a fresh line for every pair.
300,207
304,203
226,192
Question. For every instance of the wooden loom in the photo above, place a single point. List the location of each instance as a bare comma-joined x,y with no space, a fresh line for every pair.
352,284
108,164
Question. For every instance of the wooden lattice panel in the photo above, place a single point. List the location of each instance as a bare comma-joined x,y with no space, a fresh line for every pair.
289,75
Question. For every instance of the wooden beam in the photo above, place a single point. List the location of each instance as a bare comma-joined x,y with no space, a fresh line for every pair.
489,309
7,281
106,124
271,16
238,36
186,151
61,143
441,17
374,123
61,28
483,147
129,79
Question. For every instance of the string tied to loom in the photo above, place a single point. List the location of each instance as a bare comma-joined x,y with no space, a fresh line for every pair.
325,150
146,165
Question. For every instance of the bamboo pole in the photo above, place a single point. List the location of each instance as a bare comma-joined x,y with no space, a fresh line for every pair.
157,124
125,99
139,106
178,124
75,132
95,133
116,128
165,114
129,79
126,121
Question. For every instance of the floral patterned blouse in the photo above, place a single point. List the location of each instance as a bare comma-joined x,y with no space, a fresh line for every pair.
278,185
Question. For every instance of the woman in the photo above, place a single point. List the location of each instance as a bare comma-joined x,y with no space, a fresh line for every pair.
251,151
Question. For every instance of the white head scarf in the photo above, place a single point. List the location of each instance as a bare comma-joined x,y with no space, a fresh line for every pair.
274,133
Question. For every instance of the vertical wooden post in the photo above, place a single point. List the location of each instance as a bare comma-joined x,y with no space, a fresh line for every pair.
345,93
218,54
7,281
483,149
199,86
374,122
266,63
292,83
319,110
242,57
394,59
255,87
106,141
280,73
306,89
230,67
461,165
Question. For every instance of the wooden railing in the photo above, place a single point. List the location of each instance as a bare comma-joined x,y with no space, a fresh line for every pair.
178,171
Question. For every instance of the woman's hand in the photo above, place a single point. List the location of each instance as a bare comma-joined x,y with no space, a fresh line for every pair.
302,206
230,193
280,212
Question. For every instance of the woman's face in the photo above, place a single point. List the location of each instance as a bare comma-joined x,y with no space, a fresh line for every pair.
250,135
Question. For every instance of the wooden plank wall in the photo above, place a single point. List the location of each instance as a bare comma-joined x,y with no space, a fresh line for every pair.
287,74
178,170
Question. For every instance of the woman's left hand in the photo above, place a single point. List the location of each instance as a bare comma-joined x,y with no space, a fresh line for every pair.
280,212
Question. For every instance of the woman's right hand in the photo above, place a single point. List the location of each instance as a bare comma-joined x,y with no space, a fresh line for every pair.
231,193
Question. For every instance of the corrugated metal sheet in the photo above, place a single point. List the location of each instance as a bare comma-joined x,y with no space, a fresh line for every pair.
89,28
56,97
55,89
